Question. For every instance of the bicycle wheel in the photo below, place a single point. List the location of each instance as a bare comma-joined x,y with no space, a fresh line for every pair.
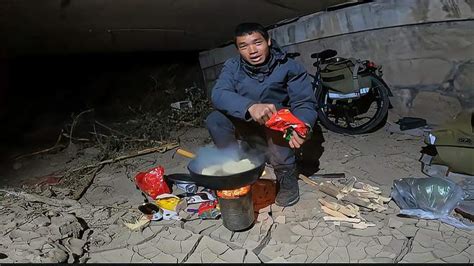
356,115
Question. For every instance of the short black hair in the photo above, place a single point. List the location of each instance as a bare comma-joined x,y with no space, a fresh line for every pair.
248,28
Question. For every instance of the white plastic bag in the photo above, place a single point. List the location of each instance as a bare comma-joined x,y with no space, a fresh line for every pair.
429,198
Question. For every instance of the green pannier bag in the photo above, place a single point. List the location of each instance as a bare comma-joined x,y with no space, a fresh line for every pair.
338,76
454,144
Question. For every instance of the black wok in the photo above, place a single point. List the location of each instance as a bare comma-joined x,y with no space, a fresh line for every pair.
222,182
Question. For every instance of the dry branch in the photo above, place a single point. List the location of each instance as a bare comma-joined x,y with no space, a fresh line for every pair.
161,149
56,146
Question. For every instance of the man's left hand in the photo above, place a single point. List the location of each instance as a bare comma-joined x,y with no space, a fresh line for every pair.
296,141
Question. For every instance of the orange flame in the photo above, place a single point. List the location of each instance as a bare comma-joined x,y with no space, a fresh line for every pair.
232,194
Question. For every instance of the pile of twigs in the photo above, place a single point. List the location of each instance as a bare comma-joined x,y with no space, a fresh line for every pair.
142,133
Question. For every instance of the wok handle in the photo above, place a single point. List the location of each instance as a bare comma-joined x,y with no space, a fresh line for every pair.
185,153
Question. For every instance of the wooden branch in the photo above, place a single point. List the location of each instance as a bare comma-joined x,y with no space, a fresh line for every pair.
74,122
331,190
92,174
111,129
349,185
358,201
362,225
307,180
160,149
341,219
339,208
332,212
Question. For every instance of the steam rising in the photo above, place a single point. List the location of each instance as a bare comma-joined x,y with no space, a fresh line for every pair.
209,156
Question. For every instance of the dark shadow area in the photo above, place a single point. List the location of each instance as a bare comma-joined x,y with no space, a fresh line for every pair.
263,194
41,93
308,155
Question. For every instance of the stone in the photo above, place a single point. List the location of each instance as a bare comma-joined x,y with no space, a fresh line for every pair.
164,258
470,250
459,258
250,257
394,223
282,233
221,233
294,238
233,256
23,235
426,224
398,235
216,247
315,248
280,219
385,240
197,226
37,243
169,246
370,231
443,250
321,231
332,239
271,251
278,260
76,246
304,239
408,230
419,257
446,227
373,250
339,254
461,243
300,230
298,258
41,221
417,247
386,254
135,238
356,251
376,260
397,245
56,256
324,257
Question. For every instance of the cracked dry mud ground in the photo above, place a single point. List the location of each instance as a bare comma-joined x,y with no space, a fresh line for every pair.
91,230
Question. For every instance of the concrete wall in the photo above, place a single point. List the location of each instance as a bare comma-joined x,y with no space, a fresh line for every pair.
425,47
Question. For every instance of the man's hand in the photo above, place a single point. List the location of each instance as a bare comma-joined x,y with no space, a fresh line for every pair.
296,141
261,112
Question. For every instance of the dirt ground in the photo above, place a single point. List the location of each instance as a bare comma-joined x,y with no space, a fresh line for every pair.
43,225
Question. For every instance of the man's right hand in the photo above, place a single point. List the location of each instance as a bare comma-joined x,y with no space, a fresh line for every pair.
261,112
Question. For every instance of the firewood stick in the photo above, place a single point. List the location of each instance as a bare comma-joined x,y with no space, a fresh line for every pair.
307,180
331,190
332,212
339,207
341,219
139,153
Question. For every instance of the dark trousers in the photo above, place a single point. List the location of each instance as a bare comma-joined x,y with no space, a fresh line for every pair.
225,131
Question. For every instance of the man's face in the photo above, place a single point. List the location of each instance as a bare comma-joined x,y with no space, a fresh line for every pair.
253,48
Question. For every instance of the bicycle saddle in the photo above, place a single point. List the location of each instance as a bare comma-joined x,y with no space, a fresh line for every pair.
324,54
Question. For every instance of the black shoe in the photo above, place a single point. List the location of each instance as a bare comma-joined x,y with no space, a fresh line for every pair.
288,193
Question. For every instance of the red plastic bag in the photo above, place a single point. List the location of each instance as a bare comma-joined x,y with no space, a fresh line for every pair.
152,182
286,122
